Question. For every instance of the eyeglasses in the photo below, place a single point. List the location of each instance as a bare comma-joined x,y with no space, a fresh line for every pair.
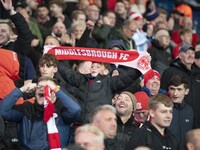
132,31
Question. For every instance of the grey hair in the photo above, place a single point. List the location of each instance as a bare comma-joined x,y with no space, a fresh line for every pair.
94,113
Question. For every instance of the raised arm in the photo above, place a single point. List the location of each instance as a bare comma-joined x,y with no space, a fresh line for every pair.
23,43
71,110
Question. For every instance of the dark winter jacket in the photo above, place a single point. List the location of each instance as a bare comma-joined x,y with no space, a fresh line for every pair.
193,77
148,135
160,57
32,130
98,92
112,144
22,45
182,121
125,130
176,68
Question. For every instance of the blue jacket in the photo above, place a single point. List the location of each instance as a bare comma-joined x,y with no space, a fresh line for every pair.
33,134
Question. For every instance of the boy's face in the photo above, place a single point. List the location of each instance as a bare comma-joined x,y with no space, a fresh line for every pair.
162,116
47,70
177,93
97,68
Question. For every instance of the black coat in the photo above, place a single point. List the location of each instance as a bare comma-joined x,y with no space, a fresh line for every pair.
182,121
100,91
149,136
176,68
125,130
160,57
22,45
112,144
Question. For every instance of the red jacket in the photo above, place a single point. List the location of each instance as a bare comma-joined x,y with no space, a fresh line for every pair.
9,69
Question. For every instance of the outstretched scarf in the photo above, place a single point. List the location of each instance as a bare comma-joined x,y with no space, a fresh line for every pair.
49,118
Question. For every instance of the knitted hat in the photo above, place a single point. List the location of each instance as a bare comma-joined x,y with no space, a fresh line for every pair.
151,14
142,101
132,97
150,74
185,48
161,32
135,16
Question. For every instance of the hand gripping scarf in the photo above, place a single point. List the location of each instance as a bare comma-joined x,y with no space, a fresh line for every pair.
49,118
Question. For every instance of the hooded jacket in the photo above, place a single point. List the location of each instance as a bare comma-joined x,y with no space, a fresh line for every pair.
8,73
21,45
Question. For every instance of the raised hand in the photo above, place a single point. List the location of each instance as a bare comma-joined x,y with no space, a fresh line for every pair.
7,4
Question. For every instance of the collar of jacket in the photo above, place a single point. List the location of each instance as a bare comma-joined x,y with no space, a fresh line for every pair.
151,128
130,121
179,105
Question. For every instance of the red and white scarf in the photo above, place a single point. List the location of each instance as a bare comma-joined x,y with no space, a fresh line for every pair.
49,118
134,59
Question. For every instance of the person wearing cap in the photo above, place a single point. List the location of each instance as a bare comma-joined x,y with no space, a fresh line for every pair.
152,83
125,106
182,113
142,109
184,65
139,37
160,50
154,132
181,65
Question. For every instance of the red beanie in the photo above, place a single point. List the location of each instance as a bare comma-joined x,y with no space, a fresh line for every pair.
150,74
142,101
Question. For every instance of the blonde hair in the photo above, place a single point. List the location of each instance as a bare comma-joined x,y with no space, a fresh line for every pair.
92,129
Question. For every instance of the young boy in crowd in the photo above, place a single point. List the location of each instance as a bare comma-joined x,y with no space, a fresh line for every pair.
97,87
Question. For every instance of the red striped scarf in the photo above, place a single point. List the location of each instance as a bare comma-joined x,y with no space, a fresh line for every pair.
49,118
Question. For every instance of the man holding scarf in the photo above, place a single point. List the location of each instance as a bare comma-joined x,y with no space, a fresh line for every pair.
43,124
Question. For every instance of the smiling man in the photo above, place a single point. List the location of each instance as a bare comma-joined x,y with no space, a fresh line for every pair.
154,133
182,113
125,106
152,83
